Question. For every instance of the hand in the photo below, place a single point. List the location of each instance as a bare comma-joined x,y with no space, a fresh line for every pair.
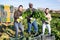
18,20
21,17
48,22
32,19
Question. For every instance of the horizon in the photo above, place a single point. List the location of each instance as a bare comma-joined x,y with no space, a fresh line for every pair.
51,4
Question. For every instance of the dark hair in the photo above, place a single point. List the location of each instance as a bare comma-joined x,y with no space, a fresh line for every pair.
30,4
20,6
47,8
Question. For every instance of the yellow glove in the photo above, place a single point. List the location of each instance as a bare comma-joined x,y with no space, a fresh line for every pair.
19,19
32,20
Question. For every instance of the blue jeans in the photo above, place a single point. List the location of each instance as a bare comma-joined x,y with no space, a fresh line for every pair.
17,27
34,24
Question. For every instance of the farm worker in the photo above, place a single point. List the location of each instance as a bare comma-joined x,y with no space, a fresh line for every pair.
17,21
32,21
46,24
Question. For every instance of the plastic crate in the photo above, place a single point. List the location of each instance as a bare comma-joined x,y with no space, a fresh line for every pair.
46,37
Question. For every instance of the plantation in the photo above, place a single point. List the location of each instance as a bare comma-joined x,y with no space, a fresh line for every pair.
8,32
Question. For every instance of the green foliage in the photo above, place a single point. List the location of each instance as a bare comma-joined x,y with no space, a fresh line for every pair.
39,15
55,15
55,23
36,14
42,15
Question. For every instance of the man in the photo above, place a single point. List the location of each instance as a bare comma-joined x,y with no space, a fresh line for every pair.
31,21
17,20
47,22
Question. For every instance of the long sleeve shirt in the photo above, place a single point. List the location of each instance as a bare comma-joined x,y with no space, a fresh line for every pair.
48,16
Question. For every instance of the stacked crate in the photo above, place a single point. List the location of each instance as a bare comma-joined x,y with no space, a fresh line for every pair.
6,13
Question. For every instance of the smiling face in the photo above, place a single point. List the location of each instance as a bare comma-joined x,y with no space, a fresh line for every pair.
20,9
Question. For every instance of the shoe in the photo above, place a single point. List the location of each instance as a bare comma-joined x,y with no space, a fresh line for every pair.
21,36
36,34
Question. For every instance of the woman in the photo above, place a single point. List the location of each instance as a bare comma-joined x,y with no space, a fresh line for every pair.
46,24
17,23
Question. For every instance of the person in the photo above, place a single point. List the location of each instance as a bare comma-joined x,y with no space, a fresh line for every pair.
46,24
17,23
30,18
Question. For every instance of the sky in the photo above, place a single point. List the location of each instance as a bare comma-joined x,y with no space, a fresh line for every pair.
51,4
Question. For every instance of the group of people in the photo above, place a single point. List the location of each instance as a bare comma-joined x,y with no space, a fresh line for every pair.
18,25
